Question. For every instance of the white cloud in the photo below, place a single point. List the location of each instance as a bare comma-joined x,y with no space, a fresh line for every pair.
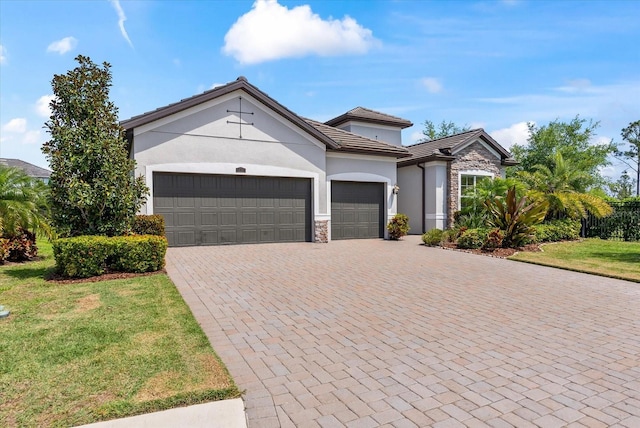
42,105
31,137
17,125
270,31
515,134
576,85
415,137
3,55
121,18
432,84
63,46
216,85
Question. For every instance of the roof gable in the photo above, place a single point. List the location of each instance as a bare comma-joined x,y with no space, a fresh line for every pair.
361,114
447,147
333,138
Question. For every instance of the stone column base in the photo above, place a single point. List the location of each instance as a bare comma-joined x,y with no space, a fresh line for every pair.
321,231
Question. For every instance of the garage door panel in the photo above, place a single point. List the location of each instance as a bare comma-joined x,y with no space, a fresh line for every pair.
357,210
216,209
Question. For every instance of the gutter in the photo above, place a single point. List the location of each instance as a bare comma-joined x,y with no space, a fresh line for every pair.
421,166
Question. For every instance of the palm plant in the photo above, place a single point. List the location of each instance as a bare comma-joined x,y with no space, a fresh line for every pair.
515,217
23,205
558,186
474,213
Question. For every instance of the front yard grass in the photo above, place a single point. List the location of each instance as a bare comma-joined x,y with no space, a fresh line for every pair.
615,259
73,354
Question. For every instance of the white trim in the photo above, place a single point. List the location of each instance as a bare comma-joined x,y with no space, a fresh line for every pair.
476,172
230,169
485,145
363,157
435,163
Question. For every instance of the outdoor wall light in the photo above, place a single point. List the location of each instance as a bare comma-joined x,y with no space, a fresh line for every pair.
396,189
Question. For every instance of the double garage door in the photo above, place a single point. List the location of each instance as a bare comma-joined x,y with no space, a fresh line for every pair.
204,209
218,209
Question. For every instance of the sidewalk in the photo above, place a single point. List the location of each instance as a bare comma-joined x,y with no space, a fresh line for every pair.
217,414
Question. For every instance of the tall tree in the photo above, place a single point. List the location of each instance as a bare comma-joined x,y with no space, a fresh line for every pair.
631,134
23,204
432,131
93,191
574,141
623,187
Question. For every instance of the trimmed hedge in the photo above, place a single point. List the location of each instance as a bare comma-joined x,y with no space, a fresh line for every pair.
149,225
85,256
557,230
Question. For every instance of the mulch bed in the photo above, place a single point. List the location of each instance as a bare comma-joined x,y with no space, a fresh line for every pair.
501,253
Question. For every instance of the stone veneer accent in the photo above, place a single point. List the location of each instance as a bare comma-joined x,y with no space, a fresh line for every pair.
321,231
473,157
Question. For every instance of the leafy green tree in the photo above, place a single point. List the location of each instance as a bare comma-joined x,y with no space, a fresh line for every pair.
432,131
631,134
93,191
561,188
623,187
23,204
573,141
474,213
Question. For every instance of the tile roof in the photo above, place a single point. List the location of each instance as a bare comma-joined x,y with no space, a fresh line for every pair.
367,115
28,168
350,142
446,147
333,138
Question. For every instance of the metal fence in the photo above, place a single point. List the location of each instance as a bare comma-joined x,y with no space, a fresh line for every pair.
622,225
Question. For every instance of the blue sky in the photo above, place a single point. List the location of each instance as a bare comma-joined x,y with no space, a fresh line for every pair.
490,64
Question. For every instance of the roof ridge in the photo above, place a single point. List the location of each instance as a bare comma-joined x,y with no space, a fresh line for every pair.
475,130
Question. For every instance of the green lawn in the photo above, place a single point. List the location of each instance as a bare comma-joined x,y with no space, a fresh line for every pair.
608,258
72,354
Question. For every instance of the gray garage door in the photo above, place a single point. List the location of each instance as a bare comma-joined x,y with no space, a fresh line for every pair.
219,209
357,210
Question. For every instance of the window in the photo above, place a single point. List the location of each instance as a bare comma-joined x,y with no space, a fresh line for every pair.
468,184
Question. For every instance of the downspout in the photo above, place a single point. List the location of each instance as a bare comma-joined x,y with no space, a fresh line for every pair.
423,199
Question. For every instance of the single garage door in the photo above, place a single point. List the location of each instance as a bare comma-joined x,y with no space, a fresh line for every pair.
219,209
357,210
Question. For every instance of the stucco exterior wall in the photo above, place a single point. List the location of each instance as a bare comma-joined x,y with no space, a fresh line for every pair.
387,134
201,140
475,159
410,198
436,195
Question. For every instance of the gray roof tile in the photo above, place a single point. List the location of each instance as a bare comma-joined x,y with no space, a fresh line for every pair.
28,168
367,115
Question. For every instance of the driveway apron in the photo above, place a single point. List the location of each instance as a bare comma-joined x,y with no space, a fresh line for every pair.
368,333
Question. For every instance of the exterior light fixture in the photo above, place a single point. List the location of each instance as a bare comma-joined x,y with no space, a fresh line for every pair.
396,189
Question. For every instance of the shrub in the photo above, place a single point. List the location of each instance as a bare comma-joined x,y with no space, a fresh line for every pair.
557,230
85,256
20,247
149,225
4,247
143,253
515,217
494,240
450,235
398,226
433,237
472,239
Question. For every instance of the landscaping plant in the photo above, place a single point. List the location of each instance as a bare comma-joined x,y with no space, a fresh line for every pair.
93,191
433,237
515,217
398,226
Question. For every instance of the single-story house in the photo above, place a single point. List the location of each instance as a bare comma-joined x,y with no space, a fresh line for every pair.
232,165
439,171
30,169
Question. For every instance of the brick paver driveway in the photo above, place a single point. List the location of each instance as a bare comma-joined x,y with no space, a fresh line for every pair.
378,333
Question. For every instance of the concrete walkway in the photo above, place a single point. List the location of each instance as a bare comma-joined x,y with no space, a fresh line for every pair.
369,333
217,414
